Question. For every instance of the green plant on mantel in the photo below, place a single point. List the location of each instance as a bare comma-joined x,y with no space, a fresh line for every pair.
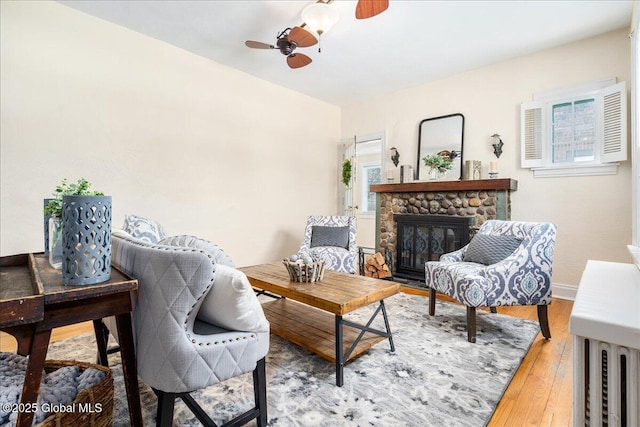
80,188
436,161
346,172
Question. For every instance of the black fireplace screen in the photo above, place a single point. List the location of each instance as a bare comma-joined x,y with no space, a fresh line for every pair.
423,238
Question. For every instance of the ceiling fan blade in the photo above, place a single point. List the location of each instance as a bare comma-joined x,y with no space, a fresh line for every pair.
297,60
368,8
302,37
258,45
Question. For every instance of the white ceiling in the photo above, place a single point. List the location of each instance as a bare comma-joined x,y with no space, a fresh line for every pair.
411,43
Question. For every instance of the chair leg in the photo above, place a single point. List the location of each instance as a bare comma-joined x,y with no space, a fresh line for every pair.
432,301
259,412
260,392
164,413
543,318
471,324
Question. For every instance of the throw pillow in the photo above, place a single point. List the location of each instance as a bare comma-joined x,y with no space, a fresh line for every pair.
489,249
185,241
329,236
232,304
143,228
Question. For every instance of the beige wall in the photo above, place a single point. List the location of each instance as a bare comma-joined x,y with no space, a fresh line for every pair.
201,148
593,214
207,150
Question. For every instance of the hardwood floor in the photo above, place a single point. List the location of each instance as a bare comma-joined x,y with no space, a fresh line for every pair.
540,393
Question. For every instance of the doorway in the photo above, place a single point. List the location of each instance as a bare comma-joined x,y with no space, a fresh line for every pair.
365,154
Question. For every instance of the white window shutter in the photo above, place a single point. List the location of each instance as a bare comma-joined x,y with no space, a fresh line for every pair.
531,128
614,129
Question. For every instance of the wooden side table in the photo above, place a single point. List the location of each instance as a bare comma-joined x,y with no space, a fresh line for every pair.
33,301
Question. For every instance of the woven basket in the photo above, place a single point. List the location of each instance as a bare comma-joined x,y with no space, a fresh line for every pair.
308,273
101,393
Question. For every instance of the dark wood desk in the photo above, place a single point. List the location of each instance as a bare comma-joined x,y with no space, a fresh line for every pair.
33,301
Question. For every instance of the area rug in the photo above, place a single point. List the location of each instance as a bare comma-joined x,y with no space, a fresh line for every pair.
434,378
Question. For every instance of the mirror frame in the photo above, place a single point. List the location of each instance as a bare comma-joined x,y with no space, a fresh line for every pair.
458,159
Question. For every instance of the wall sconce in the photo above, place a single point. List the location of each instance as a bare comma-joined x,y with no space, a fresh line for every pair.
395,156
497,144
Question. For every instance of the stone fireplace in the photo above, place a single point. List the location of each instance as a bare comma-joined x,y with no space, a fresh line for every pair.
472,201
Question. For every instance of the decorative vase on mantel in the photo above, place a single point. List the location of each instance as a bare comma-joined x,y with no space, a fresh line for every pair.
86,239
436,173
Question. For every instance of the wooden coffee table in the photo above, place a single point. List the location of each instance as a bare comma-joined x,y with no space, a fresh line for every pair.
311,314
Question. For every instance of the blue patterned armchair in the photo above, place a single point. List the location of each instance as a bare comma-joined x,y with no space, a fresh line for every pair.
506,263
334,239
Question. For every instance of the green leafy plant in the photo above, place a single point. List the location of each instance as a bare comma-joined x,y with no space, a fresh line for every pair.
346,172
80,188
436,161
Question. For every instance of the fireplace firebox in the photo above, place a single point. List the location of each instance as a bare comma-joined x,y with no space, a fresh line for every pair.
423,238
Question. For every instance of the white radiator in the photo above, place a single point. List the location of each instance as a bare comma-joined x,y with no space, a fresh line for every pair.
605,322
605,383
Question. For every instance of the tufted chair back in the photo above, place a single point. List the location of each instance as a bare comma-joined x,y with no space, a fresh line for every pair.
176,351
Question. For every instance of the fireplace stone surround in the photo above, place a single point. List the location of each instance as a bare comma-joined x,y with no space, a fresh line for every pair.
478,200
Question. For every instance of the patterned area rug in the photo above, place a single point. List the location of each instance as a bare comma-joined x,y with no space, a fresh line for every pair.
434,378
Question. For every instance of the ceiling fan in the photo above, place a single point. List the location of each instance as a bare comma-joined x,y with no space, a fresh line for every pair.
291,38
370,8
287,41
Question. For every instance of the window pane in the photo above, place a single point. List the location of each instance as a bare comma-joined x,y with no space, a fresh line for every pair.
371,176
573,131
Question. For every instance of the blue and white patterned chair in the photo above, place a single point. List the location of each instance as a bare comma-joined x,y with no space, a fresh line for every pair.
506,263
334,239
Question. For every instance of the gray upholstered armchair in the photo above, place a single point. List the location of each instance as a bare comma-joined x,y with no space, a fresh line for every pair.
334,239
506,263
196,322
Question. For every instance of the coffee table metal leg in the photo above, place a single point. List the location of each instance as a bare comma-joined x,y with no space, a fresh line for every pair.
386,324
341,357
339,353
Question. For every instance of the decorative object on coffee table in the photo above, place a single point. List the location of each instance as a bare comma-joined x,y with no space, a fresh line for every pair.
307,272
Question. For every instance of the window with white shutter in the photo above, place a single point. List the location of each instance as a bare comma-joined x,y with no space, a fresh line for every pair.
531,128
575,131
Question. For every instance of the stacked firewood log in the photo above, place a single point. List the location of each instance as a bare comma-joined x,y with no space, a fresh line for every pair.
375,266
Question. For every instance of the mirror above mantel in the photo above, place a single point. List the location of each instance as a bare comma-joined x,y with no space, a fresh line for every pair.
442,135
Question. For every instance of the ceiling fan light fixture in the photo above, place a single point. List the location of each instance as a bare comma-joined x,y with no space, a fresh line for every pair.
319,17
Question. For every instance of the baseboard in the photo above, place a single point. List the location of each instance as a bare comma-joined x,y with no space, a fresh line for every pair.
558,290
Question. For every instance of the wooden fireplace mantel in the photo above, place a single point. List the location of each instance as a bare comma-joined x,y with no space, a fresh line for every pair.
508,184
